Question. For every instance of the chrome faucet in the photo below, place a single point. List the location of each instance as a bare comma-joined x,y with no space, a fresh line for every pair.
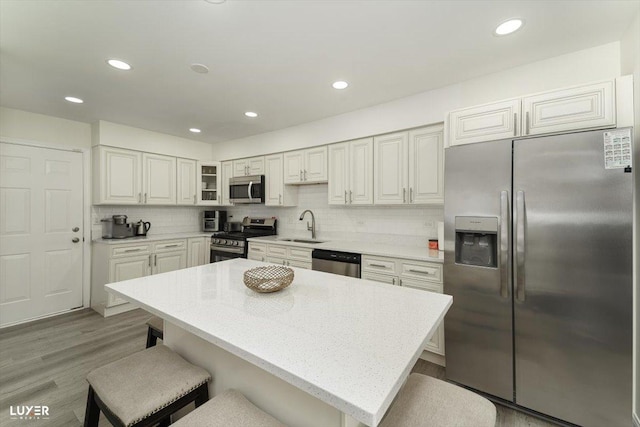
311,227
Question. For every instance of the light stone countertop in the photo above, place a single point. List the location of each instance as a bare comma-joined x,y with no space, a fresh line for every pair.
419,253
349,342
152,238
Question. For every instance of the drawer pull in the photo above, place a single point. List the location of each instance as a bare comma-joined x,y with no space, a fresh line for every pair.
132,250
378,265
171,246
411,270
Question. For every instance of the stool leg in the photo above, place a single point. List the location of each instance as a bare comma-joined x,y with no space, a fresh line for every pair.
203,395
92,413
151,338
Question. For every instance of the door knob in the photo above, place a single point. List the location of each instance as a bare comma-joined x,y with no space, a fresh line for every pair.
75,240
75,229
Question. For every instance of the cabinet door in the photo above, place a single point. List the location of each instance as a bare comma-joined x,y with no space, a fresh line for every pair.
169,261
240,167
186,182
426,166
293,167
208,184
274,181
489,122
255,166
159,179
131,267
361,172
339,174
581,107
315,165
390,169
196,251
118,176
226,172
436,343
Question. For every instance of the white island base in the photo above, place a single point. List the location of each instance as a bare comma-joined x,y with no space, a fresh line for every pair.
280,399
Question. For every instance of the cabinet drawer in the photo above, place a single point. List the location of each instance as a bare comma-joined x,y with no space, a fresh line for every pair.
422,271
258,248
277,251
436,343
422,285
384,278
299,264
302,254
172,245
378,264
128,250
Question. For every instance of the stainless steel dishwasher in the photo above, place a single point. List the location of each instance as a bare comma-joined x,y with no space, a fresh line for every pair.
343,263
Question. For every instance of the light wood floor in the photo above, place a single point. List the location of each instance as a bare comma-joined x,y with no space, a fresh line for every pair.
46,362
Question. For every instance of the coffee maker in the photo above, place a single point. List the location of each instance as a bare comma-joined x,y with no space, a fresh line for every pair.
117,227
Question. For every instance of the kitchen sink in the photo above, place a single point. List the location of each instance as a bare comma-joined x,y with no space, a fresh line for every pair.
301,241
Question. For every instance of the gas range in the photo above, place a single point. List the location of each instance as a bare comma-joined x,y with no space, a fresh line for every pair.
234,244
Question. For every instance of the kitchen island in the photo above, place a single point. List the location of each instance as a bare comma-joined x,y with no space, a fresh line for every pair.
327,351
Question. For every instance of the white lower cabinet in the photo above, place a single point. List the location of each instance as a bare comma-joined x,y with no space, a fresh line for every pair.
114,263
421,275
198,251
278,254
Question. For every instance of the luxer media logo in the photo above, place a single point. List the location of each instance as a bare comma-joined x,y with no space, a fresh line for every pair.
29,412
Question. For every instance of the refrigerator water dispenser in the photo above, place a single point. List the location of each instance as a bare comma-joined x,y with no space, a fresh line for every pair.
477,241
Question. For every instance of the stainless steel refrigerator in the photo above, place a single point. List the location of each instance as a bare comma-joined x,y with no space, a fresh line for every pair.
538,259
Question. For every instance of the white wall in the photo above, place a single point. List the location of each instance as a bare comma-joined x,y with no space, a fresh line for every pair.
22,125
115,135
598,63
630,64
406,225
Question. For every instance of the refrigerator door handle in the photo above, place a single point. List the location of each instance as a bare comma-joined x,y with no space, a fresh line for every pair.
520,246
504,244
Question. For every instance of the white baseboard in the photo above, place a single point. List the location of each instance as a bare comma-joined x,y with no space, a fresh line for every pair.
636,420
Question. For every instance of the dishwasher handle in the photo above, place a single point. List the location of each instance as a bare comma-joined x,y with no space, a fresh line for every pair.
348,257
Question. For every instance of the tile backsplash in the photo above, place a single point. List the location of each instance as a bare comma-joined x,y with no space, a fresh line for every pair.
402,225
163,219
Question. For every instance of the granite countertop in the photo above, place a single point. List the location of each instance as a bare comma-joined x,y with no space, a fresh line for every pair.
152,238
419,253
349,342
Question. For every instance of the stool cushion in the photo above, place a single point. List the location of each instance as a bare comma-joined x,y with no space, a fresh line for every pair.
156,323
230,408
139,385
427,401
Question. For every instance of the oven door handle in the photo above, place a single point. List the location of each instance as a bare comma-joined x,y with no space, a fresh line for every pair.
227,250
249,191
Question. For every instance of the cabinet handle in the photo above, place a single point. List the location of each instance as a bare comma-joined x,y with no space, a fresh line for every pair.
345,197
527,123
132,250
279,199
155,260
399,282
350,196
300,174
194,199
378,265
515,124
410,194
305,174
139,197
172,246
393,281
404,195
145,197
150,260
411,270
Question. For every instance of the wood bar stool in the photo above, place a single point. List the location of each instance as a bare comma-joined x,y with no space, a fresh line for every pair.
425,401
155,331
228,409
144,389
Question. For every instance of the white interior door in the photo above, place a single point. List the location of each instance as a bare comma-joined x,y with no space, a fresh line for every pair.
40,219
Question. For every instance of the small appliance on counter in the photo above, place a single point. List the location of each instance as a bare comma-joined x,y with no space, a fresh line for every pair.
117,227
142,228
214,220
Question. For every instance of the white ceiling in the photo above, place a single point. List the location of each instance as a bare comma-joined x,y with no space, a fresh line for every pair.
277,58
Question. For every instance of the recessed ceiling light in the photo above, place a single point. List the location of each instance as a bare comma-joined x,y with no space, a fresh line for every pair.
120,65
340,85
215,1
251,114
508,27
195,130
199,68
74,99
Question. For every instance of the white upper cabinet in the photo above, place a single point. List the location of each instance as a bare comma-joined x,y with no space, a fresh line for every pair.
186,182
390,168
351,173
208,184
158,179
498,120
408,167
250,166
226,173
277,194
587,106
426,165
580,107
306,166
117,176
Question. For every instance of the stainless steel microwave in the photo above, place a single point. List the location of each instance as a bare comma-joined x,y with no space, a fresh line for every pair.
247,189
